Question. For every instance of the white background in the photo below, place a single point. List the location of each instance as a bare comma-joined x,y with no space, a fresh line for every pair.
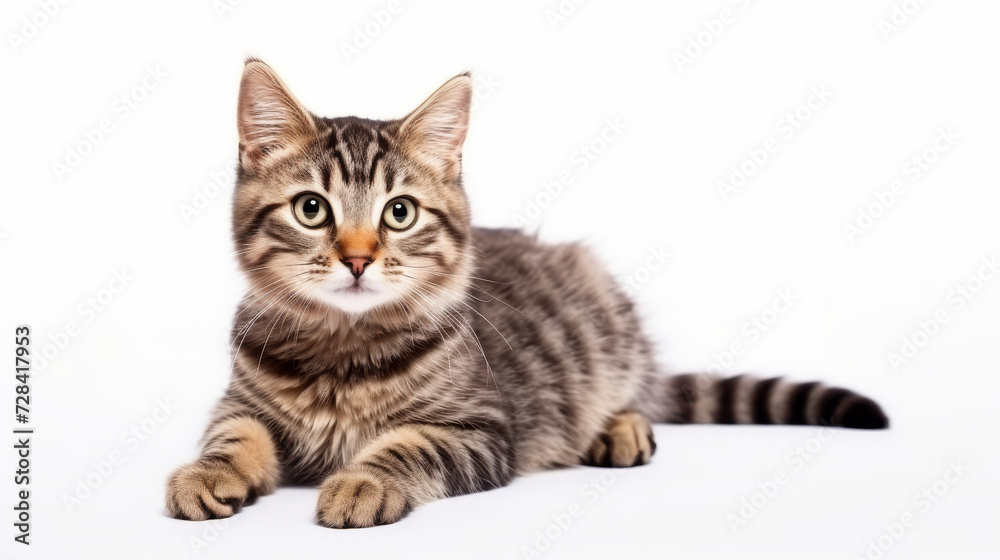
164,336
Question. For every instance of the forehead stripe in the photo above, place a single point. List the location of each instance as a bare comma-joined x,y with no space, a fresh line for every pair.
380,151
390,178
324,176
333,144
371,170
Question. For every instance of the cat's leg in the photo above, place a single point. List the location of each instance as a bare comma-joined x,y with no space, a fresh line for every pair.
411,465
627,441
239,461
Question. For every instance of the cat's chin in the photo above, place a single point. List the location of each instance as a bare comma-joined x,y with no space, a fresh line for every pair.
353,299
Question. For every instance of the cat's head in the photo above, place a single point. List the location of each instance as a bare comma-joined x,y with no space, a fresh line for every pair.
347,213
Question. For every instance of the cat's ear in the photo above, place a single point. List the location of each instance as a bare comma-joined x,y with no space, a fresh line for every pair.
435,132
269,119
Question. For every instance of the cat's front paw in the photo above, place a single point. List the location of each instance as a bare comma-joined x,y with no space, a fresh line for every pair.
206,490
355,498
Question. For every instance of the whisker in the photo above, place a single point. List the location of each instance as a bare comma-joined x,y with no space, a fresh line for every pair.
470,330
474,310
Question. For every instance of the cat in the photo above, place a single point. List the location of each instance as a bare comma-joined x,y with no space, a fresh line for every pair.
392,354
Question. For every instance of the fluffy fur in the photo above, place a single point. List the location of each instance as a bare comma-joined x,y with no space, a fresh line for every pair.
396,366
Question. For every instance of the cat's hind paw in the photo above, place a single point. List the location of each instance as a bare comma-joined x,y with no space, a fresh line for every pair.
627,441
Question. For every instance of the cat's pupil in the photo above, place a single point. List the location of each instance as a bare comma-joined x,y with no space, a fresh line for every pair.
399,212
311,208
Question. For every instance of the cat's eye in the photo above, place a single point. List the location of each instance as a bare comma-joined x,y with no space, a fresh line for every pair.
400,213
311,210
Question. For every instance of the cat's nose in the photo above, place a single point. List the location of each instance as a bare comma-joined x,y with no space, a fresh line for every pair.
357,265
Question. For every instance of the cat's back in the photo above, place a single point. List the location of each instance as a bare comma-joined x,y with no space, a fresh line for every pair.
528,283
510,255
562,340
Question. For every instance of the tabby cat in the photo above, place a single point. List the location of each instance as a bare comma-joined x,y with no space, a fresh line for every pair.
393,354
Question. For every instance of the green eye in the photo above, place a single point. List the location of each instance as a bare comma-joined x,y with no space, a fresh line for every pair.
311,210
399,214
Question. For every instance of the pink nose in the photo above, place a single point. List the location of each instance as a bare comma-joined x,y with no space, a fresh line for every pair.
357,265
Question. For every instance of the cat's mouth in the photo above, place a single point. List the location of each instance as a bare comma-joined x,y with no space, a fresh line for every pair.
356,288
356,296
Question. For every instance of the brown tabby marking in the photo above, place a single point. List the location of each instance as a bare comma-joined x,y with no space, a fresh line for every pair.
392,354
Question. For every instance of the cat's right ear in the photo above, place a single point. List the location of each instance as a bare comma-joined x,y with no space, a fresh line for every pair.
270,121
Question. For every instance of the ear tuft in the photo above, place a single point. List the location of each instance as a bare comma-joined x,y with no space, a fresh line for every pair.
435,132
269,118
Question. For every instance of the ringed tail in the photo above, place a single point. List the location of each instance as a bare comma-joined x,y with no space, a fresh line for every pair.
743,399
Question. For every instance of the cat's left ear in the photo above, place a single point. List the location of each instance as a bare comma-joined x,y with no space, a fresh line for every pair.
435,132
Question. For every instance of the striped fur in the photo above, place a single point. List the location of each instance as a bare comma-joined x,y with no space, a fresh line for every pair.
703,399
455,360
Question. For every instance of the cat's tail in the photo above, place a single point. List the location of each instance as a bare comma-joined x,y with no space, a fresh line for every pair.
703,399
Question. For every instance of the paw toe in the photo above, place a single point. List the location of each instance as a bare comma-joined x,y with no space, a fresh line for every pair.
357,499
626,442
198,492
